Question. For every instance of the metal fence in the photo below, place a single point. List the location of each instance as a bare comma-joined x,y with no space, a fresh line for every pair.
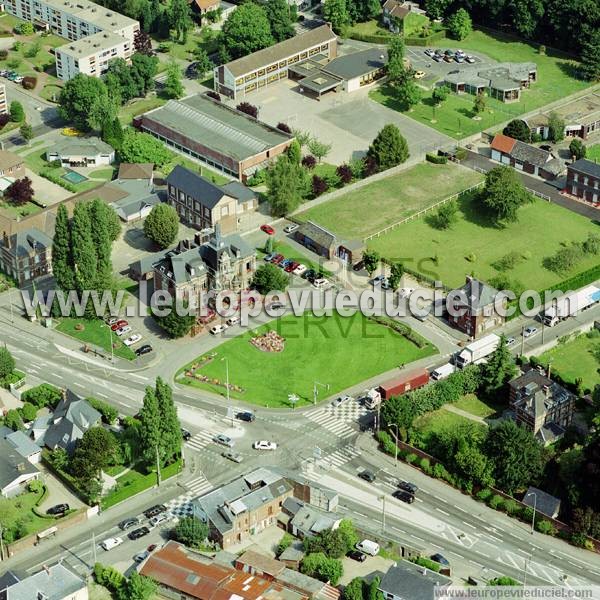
422,212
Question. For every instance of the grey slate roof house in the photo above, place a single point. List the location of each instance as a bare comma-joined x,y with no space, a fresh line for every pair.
26,255
324,243
51,583
81,152
15,471
583,180
303,520
138,197
408,581
23,444
394,12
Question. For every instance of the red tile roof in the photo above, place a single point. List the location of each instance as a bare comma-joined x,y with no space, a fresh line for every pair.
503,143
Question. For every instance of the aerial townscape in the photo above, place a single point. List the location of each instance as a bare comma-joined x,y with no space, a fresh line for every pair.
299,299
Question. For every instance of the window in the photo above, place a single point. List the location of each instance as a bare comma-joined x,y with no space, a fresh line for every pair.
224,211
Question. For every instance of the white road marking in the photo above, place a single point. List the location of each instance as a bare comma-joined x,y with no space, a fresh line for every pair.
442,511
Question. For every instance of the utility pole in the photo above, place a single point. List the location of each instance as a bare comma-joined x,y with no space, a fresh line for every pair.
534,509
522,339
316,391
396,444
157,467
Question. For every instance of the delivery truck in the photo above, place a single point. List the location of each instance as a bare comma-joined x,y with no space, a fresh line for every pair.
477,351
442,372
372,398
570,305
410,380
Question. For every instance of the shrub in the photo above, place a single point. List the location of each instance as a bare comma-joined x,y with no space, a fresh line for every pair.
35,486
411,457
28,411
435,159
58,180
29,82
527,513
496,502
427,563
109,413
319,185
43,395
248,109
108,577
344,172
546,527
284,127
257,177
3,54
284,543
460,154
214,95
425,465
511,507
4,119
309,161
25,28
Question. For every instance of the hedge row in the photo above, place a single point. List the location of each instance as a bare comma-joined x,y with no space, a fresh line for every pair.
425,41
402,329
58,180
370,38
435,159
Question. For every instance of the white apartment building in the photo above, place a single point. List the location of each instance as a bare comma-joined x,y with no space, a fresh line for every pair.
96,34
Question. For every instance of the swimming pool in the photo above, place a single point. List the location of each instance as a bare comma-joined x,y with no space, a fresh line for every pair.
73,177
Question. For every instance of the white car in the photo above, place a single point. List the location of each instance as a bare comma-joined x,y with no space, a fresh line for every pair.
291,228
264,445
110,543
341,400
299,269
321,283
134,339
233,321
470,59
158,519
216,329
123,330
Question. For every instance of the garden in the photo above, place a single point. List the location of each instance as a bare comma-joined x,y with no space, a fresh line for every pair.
454,117
389,200
336,351
474,245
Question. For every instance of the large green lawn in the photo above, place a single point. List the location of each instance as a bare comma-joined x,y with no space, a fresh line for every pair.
336,351
593,152
455,116
387,201
137,107
473,405
574,359
436,422
472,245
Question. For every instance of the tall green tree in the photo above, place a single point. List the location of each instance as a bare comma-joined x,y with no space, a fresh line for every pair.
336,12
396,273
191,532
119,81
459,24
269,278
436,9
143,70
371,260
7,363
26,131
354,590
286,186
395,65
503,194
143,148
162,225
150,428
62,259
577,148
479,103
203,64
170,427
83,250
173,87
526,15
102,242
180,19
518,130
176,325
246,30
323,568
319,149
137,587
85,102
389,148
556,127
94,452
590,57
407,91
280,13
399,411
294,152
499,369
17,114
112,133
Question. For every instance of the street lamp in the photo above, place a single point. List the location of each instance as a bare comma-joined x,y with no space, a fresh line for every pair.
110,343
227,387
395,443
316,391
534,508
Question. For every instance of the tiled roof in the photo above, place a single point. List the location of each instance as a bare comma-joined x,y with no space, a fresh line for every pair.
503,143
196,186
530,154
135,171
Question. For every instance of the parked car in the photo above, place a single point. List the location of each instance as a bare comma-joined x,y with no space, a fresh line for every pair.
404,496
58,509
438,57
136,534
216,329
459,58
405,292
321,283
385,284
152,547
246,415
110,543
232,321
430,52
529,331
18,79
407,486
269,257
359,266
127,523
377,280
145,349
367,475
291,228
300,269
134,339
277,259
141,556
285,263
224,440
276,306
420,74
3,73
158,519
123,330
310,275
234,456
291,267
111,320
440,559
264,445
341,400
154,510
469,58
368,547
357,555
267,229
186,435
118,324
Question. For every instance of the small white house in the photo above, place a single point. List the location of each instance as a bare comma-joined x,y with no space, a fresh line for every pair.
15,471
81,152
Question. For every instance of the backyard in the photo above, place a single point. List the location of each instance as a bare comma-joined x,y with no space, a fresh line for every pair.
455,116
337,351
593,152
387,201
473,405
576,358
473,245
435,422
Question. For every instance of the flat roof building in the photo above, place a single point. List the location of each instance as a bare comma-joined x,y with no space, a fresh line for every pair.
218,135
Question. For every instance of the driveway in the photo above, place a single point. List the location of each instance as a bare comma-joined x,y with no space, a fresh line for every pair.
45,190
58,493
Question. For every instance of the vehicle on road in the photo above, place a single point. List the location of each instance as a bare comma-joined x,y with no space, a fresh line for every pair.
58,509
357,555
141,556
112,542
145,349
264,445
276,306
404,496
571,305
217,329
291,228
407,486
223,440
118,324
127,523
154,510
420,74
341,400
158,519
236,457
372,398
136,534
529,331
123,330
476,352
367,475
267,229
440,559
186,435
442,372
405,383
246,415
134,339
368,547
510,341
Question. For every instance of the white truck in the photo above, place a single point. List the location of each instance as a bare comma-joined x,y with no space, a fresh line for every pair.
477,351
570,305
442,372
372,398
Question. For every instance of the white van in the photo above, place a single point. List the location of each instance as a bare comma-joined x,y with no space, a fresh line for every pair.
442,372
368,547
110,543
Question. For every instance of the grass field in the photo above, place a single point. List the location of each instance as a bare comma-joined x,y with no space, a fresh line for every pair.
332,350
15,212
472,245
473,405
137,107
593,152
440,420
387,201
455,116
574,359
372,27
21,508
97,334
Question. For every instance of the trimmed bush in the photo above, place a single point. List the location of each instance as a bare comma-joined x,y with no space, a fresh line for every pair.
435,159
411,458
427,563
496,502
546,527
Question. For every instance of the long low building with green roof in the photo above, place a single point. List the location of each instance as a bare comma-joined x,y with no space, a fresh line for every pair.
220,136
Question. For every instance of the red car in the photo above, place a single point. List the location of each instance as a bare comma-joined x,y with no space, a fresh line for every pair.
119,324
267,229
291,266
277,259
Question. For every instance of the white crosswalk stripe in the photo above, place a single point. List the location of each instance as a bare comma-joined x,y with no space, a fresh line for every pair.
331,422
336,459
182,505
200,440
200,485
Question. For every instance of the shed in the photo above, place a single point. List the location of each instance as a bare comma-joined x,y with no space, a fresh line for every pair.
542,501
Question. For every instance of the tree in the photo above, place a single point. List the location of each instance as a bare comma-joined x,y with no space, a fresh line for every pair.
479,103
399,411
137,587
373,592
119,81
556,127
577,149
84,101
269,278
286,186
112,133
42,395
319,149
170,428
407,91
180,18
101,237
397,271
389,148
436,9
323,568
371,260
459,24
176,325
336,12
294,152
7,363
446,215
143,148
94,452
191,531
440,94
516,455
354,590
472,464
366,9
162,225
344,172
150,427
13,420
248,109
590,56
202,63
348,533
503,194
26,131
499,369
109,216
526,15
20,191
142,43
279,14
518,130
17,114
83,250
319,185
246,30
395,65
143,70
173,88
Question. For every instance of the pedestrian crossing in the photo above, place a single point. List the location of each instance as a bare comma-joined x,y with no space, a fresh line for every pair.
201,440
337,419
182,505
199,485
336,459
